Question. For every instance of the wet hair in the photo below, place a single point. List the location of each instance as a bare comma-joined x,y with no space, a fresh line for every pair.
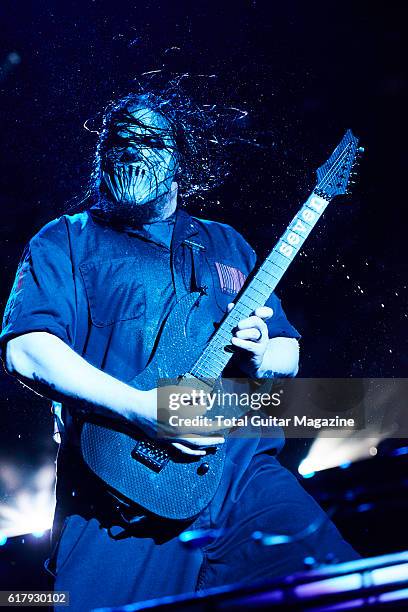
197,131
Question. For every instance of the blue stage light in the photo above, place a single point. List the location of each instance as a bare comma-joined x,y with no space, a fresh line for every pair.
400,451
365,507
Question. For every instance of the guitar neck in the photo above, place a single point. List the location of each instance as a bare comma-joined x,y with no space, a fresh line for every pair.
217,353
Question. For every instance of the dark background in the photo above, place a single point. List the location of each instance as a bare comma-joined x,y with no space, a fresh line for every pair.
305,72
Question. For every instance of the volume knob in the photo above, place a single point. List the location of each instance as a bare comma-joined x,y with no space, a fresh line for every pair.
203,469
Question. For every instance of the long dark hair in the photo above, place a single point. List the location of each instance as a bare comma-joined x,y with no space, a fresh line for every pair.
196,129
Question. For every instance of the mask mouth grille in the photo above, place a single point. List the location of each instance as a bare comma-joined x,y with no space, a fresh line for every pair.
136,168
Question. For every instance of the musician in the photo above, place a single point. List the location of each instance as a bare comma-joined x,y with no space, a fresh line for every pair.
90,296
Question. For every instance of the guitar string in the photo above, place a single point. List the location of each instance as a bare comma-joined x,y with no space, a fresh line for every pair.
198,366
337,162
199,363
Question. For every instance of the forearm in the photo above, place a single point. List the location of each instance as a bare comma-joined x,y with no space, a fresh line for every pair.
281,358
50,367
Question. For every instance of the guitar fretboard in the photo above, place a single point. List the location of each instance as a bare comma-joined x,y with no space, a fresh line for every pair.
216,355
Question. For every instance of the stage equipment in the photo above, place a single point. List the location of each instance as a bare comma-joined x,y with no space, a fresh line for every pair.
379,583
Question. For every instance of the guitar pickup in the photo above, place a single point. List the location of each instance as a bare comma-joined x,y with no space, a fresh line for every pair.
151,455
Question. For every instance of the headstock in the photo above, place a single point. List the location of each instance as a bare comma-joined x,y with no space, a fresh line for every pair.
335,176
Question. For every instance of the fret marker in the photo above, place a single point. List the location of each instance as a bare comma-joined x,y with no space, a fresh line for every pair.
308,215
293,238
317,203
300,227
286,249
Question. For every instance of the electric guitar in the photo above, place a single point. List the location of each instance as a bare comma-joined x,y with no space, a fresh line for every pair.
151,473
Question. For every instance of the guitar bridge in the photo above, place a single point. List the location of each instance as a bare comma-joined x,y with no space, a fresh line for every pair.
152,455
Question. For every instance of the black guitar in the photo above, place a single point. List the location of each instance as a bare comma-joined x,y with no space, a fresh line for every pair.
150,473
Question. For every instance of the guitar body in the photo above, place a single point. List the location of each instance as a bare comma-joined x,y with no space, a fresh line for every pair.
152,474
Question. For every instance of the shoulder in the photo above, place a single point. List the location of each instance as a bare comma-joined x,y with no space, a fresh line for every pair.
215,229
208,225
226,240
62,228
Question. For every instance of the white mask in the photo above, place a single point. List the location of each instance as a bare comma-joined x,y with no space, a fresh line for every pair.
141,163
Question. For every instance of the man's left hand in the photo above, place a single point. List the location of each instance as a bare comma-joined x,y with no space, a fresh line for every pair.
251,335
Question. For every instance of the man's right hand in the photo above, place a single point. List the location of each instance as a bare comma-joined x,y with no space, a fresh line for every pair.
50,367
188,440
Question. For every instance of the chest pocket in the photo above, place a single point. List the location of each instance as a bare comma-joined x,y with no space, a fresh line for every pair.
227,281
113,290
